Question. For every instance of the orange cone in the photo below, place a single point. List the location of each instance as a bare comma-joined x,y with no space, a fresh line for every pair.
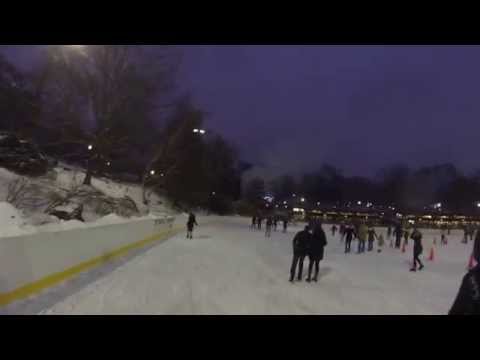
431,257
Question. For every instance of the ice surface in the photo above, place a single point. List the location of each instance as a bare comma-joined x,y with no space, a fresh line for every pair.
229,269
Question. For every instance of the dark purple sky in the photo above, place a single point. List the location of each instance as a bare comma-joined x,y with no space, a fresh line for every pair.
291,108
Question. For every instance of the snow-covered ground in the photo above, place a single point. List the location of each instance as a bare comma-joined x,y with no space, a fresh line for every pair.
31,218
229,269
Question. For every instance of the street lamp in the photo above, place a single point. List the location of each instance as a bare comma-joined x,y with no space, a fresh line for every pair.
152,172
199,131
90,147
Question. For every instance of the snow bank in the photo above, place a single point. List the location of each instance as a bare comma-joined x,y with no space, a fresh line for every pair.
12,222
60,180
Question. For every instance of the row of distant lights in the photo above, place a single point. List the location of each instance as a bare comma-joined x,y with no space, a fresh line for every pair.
199,131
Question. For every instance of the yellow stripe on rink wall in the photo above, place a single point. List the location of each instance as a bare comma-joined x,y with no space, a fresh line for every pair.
53,279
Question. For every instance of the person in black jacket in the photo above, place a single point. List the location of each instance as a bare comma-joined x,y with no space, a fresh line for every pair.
372,235
301,242
417,249
315,250
275,223
268,227
350,234
285,223
467,301
190,223
259,222
334,229
398,232
254,222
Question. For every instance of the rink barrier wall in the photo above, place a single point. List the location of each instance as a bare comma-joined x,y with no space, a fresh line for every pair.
32,263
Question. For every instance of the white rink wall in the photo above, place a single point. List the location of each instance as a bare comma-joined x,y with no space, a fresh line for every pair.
28,258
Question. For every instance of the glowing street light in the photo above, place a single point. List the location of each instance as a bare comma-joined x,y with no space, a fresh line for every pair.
302,199
152,172
109,163
90,147
199,131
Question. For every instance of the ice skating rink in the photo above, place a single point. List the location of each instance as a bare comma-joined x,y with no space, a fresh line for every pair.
229,269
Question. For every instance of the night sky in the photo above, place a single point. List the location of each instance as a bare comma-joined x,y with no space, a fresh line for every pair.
291,108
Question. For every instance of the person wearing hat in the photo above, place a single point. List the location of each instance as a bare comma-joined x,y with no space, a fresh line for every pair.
467,301
301,243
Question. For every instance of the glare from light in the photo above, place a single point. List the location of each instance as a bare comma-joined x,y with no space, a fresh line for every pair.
213,193
108,163
196,130
359,203
202,131
90,147
152,172
302,199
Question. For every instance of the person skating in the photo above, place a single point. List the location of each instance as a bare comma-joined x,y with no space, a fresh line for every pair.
417,249
467,301
342,231
381,242
443,240
372,235
254,222
259,223
362,237
268,227
398,232
334,229
471,231
285,223
389,231
406,234
275,223
301,242
315,250
465,235
350,234
190,223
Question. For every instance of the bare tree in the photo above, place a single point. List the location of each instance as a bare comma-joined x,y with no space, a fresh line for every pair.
104,94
